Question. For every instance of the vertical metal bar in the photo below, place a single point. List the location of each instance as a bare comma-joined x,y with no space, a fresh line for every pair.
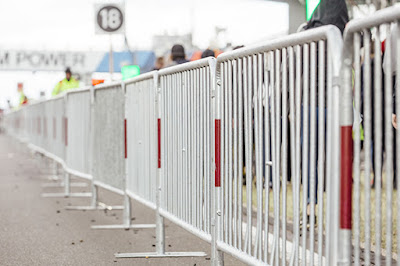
222,153
230,151
172,143
247,163
267,148
249,152
208,143
226,150
367,143
189,147
284,151
397,132
256,145
377,142
181,142
297,174
273,151
240,151
198,123
388,108
260,155
67,187
357,147
278,152
257,155
175,128
184,146
164,136
217,256
235,153
193,149
321,145
304,160
249,177
160,233
292,132
170,159
313,147
202,148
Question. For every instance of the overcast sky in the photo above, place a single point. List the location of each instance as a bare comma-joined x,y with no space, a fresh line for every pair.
69,25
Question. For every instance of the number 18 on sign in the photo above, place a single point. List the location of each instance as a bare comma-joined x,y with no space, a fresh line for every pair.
110,19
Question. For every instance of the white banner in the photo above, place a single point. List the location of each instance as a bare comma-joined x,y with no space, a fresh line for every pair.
83,62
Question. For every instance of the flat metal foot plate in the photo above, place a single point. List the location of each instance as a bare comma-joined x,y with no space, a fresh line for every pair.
157,255
55,185
91,208
63,195
49,177
122,226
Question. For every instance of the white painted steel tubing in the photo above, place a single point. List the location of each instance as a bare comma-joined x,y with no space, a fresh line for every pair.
370,28
264,85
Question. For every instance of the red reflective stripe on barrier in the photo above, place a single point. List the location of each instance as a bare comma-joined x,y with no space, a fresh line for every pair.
66,130
54,127
346,181
159,141
126,148
217,152
45,127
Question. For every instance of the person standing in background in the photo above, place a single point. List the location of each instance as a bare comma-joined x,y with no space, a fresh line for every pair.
177,55
66,84
159,63
22,97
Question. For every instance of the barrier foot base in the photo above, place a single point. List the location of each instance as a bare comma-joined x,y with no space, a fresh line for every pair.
56,185
49,177
122,226
93,208
63,195
160,255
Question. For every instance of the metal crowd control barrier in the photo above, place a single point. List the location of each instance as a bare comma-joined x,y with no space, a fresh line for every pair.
288,85
37,130
183,194
106,143
110,145
368,226
141,132
191,133
76,136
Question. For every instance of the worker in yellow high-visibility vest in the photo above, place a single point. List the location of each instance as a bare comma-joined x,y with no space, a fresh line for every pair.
22,97
66,84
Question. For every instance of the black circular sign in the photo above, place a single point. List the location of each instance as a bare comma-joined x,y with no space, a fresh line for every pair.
110,18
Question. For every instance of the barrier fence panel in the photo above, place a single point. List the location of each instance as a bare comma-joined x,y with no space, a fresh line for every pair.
276,120
77,131
186,144
55,134
179,97
371,211
141,144
46,122
108,137
36,118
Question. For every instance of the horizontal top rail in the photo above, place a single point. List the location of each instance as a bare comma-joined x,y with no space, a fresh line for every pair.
107,85
383,16
141,77
77,90
329,33
187,66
